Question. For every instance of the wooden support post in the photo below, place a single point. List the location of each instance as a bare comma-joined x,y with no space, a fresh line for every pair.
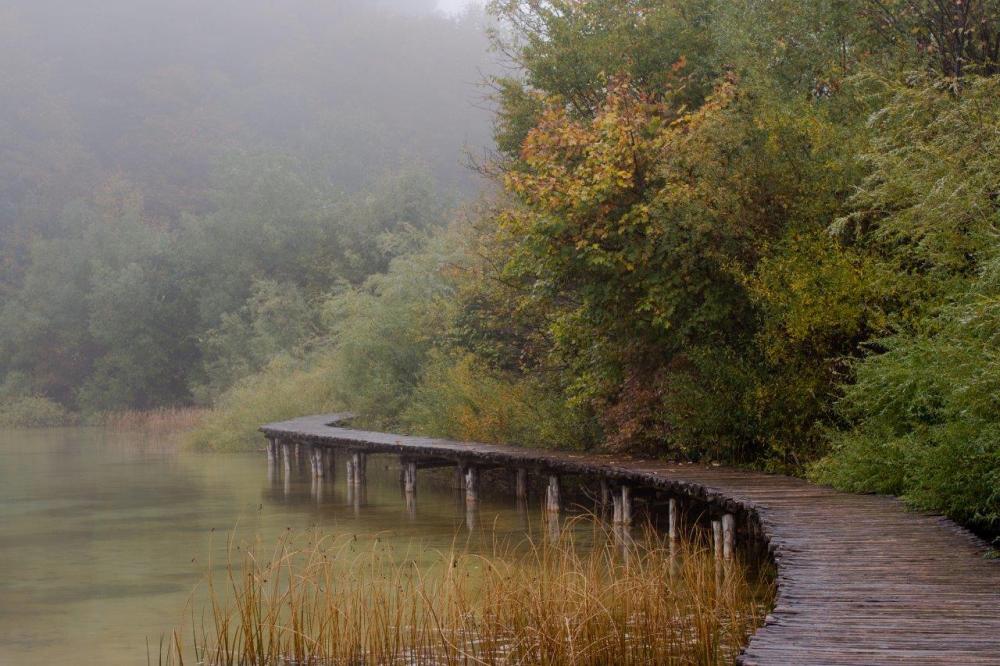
552,502
605,495
270,446
717,538
298,455
521,485
360,467
459,480
356,468
330,462
286,455
622,507
626,505
318,463
674,526
728,535
409,477
471,484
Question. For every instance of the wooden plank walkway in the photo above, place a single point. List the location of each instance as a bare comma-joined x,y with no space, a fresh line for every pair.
861,580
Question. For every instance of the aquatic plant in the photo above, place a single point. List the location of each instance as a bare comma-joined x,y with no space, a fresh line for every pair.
594,596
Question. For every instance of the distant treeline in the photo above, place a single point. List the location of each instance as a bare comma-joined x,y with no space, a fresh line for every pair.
171,170
755,233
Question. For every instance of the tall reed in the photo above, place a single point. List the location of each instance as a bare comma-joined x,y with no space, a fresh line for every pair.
605,599
164,420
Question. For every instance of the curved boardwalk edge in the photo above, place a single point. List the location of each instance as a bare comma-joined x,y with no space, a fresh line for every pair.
861,580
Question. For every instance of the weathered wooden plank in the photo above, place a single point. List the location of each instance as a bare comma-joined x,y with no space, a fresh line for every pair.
861,580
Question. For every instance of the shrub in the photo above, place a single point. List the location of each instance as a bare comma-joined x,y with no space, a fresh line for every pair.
461,398
286,388
32,412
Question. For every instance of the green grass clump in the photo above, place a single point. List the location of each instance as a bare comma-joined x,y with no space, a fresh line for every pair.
33,412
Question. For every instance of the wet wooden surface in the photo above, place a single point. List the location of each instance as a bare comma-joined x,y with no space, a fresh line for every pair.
861,580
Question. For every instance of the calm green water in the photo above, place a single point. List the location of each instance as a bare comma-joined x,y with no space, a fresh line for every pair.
104,537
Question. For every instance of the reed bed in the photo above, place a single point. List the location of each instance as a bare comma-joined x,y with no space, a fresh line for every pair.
165,420
604,599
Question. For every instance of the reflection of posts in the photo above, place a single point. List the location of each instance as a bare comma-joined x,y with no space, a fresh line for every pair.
360,498
410,500
317,489
286,457
622,533
554,524
471,497
674,565
410,487
409,476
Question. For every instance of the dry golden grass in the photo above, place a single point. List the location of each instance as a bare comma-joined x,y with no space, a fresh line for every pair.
613,600
166,420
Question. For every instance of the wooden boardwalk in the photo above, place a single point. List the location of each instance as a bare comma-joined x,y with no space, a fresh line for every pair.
861,580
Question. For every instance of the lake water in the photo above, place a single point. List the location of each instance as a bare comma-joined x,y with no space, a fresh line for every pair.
103,536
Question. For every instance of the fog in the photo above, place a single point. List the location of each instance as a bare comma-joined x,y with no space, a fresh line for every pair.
162,91
165,162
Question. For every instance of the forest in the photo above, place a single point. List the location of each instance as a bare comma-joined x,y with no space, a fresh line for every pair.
760,234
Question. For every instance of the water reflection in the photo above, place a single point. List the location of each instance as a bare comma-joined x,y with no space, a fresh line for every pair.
104,540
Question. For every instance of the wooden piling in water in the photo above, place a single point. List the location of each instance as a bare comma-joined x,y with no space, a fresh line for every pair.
317,462
552,502
626,494
673,526
358,465
728,535
286,455
521,485
922,611
409,476
622,506
471,484
458,482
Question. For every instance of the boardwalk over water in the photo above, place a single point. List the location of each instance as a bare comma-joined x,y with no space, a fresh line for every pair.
861,580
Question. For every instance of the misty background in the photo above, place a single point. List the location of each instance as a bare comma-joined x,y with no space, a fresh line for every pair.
167,166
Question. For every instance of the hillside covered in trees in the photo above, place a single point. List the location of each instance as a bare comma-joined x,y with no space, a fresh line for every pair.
170,169
762,234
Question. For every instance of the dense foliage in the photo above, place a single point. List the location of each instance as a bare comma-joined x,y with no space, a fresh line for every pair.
754,233
182,184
